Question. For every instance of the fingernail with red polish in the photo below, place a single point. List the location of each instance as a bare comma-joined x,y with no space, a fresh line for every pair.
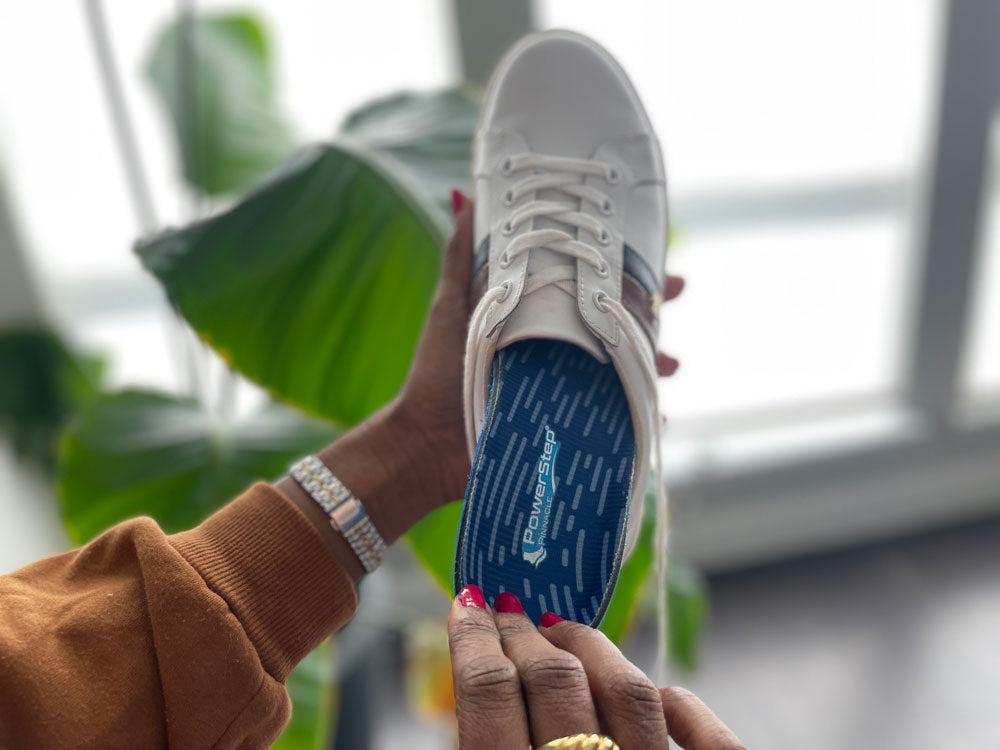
471,596
457,200
549,619
507,602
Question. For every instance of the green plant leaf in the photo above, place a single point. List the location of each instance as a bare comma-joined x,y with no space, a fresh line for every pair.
311,689
687,600
316,285
42,383
143,453
428,137
633,574
433,540
215,79
687,595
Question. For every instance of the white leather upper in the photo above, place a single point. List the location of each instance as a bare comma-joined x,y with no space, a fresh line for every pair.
559,94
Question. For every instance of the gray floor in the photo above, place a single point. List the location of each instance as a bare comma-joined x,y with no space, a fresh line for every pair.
894,646
890,646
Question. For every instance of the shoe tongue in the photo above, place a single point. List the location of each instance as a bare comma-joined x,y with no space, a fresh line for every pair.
550,313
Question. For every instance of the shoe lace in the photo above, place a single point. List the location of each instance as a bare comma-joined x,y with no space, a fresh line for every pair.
561,176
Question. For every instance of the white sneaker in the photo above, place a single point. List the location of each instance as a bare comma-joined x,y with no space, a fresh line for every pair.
560,388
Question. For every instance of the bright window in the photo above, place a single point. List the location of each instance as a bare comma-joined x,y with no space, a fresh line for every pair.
982,372
772,92
793,134
784,314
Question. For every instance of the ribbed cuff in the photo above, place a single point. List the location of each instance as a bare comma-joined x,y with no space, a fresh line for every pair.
268,562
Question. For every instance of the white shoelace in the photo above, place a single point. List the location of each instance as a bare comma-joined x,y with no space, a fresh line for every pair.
563,175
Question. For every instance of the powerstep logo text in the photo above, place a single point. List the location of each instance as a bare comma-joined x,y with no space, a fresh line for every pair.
533,541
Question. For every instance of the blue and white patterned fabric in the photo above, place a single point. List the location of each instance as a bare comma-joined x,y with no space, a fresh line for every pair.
547,502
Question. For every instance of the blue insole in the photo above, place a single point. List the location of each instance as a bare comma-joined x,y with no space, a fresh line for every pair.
546,507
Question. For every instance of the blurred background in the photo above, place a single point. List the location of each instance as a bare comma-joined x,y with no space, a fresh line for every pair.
833,447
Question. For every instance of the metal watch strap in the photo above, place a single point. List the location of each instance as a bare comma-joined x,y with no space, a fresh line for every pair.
347,514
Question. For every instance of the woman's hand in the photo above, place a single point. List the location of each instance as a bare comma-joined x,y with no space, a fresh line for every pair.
518,686
431,399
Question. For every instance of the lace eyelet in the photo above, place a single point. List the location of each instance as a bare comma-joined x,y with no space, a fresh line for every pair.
507,168
506,286
508,229
604,237
603,270
599,296
607,207
504,260
613,176
508,198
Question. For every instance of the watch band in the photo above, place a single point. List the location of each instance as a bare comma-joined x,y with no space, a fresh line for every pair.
347,513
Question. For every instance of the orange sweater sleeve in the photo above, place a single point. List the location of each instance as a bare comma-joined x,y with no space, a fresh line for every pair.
145,640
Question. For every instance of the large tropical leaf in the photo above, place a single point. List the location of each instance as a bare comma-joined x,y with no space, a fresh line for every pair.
215,78
316,285
428,137
634,572
42,382
687,596
143,453
434,541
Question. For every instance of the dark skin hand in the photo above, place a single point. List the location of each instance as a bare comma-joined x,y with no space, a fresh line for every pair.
518,686
515,683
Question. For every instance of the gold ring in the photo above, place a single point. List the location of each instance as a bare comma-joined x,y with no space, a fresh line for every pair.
581,742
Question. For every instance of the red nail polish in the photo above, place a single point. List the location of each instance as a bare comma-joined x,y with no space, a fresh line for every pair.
457,200
549,619
471,596
507,602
